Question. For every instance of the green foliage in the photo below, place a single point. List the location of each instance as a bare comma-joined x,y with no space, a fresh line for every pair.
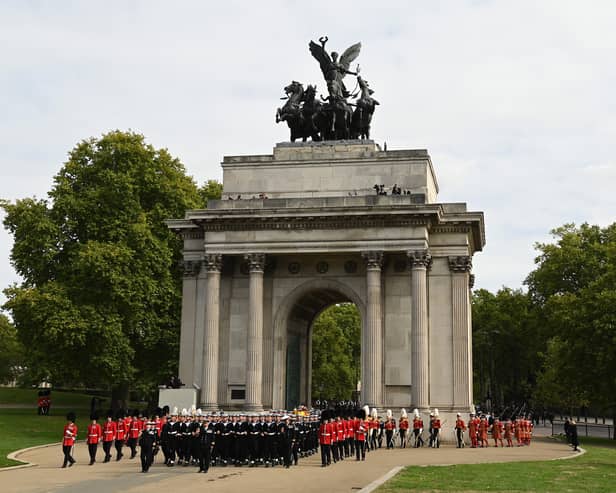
574,289
211,190
336,352
11,351
100,300
505,345
593,471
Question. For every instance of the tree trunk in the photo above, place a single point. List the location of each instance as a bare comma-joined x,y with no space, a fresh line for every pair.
119,397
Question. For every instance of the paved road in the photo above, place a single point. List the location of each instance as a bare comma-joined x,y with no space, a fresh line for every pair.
308,477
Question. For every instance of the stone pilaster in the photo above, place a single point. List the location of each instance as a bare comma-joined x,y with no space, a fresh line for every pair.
254,353
461,310
372,377
190,270
209,379
420,261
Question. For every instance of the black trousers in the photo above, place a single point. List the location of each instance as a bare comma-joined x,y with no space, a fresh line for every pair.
459,436
132,443
360,449
118,446
326,458
68,457
389,437
92,447
205,456
147,458
107,450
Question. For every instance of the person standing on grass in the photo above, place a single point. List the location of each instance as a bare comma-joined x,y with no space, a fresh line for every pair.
70,435
95,433
573,433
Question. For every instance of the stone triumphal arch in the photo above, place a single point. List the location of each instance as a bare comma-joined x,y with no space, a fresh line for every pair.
303,228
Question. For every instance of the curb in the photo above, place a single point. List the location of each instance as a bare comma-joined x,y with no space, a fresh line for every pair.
17,453
378,482
581,452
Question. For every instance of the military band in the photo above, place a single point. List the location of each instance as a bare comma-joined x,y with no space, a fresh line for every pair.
200,439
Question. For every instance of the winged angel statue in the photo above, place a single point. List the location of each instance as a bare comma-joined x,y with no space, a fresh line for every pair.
334,117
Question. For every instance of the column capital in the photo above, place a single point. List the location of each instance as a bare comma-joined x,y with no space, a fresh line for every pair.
373,259
212,262
461,263
190,268
420,258
256,261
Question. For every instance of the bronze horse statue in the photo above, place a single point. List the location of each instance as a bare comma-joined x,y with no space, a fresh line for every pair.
299,111
364,109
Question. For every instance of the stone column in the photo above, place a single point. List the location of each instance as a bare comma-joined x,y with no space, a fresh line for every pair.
209,378
191,269
461,310
372,378
254,353
420,261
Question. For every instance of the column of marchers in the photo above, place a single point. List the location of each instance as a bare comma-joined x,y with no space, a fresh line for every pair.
254,353
420,260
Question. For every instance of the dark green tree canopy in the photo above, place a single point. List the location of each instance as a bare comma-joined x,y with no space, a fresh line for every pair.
100,298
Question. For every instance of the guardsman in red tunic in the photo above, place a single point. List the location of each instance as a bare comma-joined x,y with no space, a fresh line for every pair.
331,429
509,432
95,435
418,426
403,426
483,431
473,429
68,440
325,440
497,431
109,434
134,430
360,428
460,429
340,438
435,426
390,427
121,432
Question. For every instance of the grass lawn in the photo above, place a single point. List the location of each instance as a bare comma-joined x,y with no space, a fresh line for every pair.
21,428
28,397
594,471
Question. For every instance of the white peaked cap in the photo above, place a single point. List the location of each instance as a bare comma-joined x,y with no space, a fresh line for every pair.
374,413
403,413
416,412
184,412
199,413
389,413
367,410
193,409
436,412
175,411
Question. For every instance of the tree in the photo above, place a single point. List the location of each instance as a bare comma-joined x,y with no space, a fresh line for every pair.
210,190
574,288
11,351
336,352
100,298
505,346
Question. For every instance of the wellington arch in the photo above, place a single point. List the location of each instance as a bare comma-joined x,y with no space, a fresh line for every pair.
302,228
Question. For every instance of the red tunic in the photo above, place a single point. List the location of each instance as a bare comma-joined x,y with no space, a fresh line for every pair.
324,435
360,430
70,434
436,424
135,428
121,430
497,430
390,424
418,424
404,424
340,431
460,424
331,429
95,433
109,431
483,429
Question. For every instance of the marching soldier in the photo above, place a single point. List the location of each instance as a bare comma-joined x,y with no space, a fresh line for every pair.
109,434
206,442
95,434
497,432
473,430
435,427
68,440
120,436
147,442
403,426
254,436
460,429
134,430
325,439
483,431
509,432
360,428
418,426
390,427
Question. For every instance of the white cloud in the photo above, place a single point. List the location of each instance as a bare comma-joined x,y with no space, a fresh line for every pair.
513,100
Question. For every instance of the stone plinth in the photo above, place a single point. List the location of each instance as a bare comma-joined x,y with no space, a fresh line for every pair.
328,169
180,398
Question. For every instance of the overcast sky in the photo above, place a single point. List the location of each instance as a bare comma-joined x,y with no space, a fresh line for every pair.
515,101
